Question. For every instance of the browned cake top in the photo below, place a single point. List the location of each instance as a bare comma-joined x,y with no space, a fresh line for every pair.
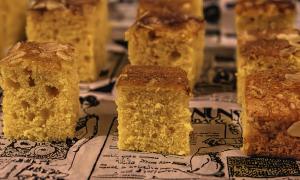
48,55
273,95
264,48
270,43
279,48
160,3
167,6
265,7
46,5
154,76
172,21
252,35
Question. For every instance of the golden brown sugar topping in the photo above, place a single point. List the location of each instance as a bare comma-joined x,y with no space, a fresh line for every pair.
174,21
156,76
265,7
264,48
160,3
274,43
43,53
293,36
274,95
48,5
269,34
169,6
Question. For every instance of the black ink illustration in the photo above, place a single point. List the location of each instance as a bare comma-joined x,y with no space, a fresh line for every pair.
228,123
212,159
262,167
205,161
232,129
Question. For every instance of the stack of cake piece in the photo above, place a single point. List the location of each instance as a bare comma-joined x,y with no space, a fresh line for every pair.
80,23
166,45
40,78
153,110
168,34
262,17
257,19
268,77
12,20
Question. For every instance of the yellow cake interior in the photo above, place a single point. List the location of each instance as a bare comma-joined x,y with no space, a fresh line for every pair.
159,44
86,30
41,97
153,120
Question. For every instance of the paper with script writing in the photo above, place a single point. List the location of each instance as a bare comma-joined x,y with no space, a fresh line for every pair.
215,144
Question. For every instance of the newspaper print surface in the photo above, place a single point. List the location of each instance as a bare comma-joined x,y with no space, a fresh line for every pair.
215,144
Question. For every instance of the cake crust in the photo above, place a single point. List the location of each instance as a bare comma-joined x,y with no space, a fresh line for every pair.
263,48
272,114
268,34
49,5
273,50
50,55
273,45
173,21
155,76
191,7
265,7
273,95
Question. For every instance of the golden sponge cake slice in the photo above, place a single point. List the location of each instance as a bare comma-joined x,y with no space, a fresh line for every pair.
153,110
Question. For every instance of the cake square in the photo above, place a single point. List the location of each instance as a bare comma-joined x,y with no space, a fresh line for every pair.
80,23
190,7
41,93
264,14
271,117
12,19
267,51
173,40
153,110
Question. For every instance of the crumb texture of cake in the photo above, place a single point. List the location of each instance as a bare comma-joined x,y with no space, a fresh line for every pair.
12,20
153,110
80,23
190,7
41,93
272,114
173,40
265,14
